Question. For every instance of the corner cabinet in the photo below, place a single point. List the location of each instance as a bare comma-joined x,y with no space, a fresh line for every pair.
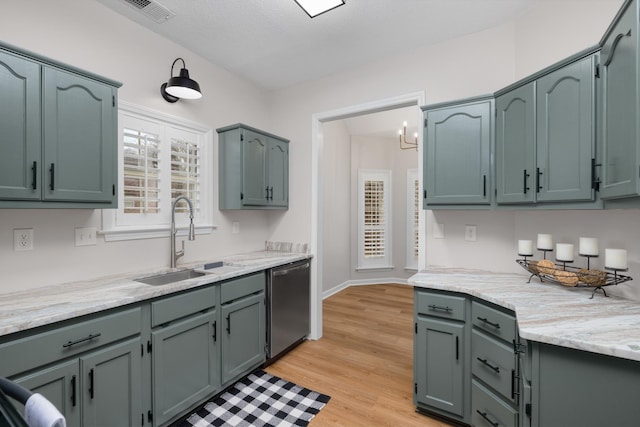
545,137
619,115
458,153
253,169
59,138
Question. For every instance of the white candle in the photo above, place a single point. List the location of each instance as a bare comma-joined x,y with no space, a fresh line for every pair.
545,241
525,247
589,246
615,259
564,252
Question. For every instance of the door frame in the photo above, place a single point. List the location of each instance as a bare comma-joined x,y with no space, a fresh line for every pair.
317,119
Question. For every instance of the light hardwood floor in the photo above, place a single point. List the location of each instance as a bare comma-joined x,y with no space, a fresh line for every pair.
364,360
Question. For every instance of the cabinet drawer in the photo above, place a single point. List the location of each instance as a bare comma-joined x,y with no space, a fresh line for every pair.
488,410
76,337
241,287
175,307
440,305
498,323
494,362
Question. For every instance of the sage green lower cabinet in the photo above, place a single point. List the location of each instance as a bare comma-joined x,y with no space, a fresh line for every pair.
59,384
185,365
441,358
243,336
575,388
90,368
111,385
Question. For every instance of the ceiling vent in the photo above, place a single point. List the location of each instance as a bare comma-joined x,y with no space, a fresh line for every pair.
152,9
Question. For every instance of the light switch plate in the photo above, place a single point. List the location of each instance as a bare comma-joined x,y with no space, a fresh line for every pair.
235,227
86,236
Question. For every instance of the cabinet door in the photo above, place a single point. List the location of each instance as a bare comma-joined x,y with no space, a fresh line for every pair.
565,132
254,169
619,114
111,386
516,146
185,365
458,155
20,124
439,364
243,344
278,172
79,138
60,385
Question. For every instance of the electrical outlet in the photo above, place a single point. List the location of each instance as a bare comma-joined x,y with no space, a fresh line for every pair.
23,239
470,233
235,227
86,236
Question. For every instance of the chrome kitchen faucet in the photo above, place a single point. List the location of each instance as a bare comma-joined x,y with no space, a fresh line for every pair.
192,234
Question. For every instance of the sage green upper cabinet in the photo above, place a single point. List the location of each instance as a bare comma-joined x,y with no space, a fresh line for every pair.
618,118
545,143
59,136
79,136
20,138
566,132
253,169
516,145
458,149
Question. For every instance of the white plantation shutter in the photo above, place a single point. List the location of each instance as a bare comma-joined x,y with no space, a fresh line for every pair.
374,213
374,219
185,173
413,217
141,171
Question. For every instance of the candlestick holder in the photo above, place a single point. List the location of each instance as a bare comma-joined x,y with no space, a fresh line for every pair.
588,257
566,275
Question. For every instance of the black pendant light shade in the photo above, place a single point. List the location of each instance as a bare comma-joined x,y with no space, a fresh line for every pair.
181,86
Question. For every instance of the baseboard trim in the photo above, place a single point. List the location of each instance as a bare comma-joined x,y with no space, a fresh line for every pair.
363,282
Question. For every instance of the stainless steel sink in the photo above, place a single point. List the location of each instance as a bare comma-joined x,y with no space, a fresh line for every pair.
176,276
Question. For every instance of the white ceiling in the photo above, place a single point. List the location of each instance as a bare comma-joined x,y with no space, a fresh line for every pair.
274,44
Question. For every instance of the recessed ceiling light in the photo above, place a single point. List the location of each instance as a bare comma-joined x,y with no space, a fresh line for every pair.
318,7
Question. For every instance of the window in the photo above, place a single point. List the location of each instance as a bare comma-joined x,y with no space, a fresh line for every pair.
161,157
413,215
374,219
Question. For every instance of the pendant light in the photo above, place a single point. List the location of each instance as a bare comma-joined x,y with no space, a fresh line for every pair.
180,86
314,8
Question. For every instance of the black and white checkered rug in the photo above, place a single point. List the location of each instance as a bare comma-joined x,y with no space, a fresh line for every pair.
260,400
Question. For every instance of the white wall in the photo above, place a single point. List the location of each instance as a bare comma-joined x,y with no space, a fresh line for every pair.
87,35
90,36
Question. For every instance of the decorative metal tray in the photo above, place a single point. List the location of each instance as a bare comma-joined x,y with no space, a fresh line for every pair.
565,275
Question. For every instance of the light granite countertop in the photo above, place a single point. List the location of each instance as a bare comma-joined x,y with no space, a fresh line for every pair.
549,313
28,309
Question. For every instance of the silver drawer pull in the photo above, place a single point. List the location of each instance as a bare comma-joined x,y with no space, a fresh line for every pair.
89,338
439,307
487,322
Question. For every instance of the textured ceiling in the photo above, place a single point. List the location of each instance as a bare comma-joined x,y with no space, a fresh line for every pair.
274,44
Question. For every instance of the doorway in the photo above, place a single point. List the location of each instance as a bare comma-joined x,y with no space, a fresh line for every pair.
317,223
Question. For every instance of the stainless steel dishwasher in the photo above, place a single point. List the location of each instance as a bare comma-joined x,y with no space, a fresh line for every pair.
288,303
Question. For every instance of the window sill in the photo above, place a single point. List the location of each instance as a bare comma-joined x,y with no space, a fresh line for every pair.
136,233
377,268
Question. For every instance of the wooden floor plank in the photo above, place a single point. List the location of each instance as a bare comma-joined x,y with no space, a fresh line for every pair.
364,360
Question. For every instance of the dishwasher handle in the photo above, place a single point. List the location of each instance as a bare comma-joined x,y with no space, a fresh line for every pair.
283,271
